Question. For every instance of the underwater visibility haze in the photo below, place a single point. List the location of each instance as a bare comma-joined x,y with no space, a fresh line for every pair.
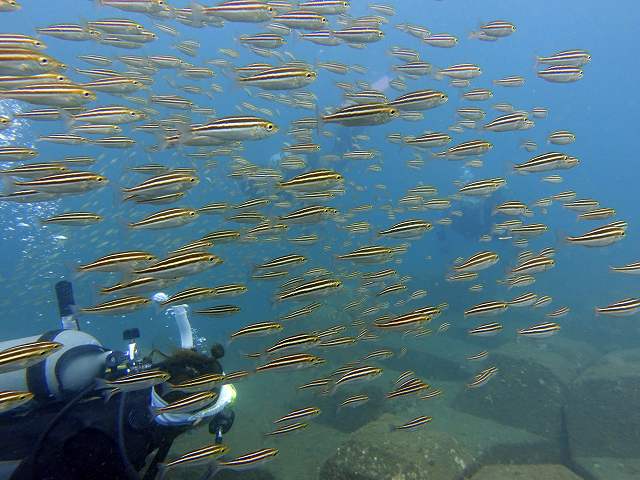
319,239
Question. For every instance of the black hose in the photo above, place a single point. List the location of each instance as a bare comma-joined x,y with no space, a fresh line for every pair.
131,472
63,411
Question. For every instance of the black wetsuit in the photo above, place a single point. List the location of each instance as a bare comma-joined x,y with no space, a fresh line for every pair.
84,443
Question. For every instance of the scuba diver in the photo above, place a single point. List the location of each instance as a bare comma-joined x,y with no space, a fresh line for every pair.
68,431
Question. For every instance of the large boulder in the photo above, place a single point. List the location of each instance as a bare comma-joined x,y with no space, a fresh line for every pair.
601,468
375,452
603,408
531,386
525,472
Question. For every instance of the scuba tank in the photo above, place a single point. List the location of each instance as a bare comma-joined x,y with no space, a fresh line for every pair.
67,371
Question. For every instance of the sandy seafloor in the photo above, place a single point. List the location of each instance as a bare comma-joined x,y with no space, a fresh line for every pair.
558,410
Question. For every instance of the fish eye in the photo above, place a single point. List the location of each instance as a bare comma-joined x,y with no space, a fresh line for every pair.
270,9
100,179
191,214
324,20
37,44
86,94
61,78
44,61
270,127
192,180
308,75
133,114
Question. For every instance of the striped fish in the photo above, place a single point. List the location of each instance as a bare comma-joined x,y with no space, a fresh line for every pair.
630,269
190,403
482,187
531,230
236,128
311,214
26,355
478,356
295,361
598,237
118,306
419,100
558,313
164,184
561,137
534,265
568,57
512,81
362,115
546,162
292,427
257,329
597,214
487,309
133,381
414,68
284,261
355,375
302,340
314,180
11,399
172,217
138,285
280,78
622,308
116,262
408,388
66,182
561,74
218,310
114,115
462,277
50,94
486,330
442,40
407,320
541,330
477,262
509,122
416,422
180,265
483,377
198,384
311,289
200,456
407,229
299,413
359,34
191,294
73,218
354,401
465,149
369,254
248,460
524,300
302,19
463,71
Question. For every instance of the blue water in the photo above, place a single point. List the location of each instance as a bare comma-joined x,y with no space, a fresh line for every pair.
599,109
